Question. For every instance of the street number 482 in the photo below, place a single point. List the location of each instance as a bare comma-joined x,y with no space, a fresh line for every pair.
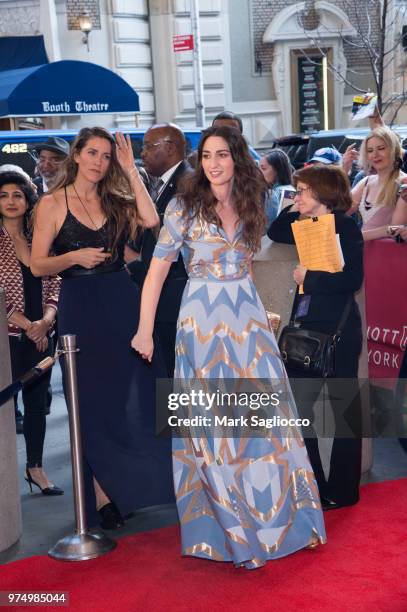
15,148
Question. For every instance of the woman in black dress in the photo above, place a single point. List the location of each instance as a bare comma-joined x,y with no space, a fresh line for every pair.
31,305
324,190
85,222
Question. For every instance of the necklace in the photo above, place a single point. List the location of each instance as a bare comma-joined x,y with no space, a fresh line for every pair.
86,210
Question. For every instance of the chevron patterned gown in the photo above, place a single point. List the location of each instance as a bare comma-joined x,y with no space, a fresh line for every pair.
240,499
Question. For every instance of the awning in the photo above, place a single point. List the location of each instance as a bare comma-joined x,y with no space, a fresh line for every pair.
64,88
22,52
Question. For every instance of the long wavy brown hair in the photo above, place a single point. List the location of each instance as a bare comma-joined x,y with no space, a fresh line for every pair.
247,192
115,191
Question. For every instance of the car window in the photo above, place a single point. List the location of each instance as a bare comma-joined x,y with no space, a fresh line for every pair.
15,151
15,146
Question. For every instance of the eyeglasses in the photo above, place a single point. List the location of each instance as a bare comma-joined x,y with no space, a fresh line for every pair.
148,146
57,160
299,192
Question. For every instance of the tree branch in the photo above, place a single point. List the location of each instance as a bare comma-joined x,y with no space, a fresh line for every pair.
369,40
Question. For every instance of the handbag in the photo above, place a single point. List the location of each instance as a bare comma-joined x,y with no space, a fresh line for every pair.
309,352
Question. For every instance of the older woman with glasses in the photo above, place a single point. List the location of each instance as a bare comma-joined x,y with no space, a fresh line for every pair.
324,190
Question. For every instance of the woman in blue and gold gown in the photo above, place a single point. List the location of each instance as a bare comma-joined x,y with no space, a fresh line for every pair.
243,499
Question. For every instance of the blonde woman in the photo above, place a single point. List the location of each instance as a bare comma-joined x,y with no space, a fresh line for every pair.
376,196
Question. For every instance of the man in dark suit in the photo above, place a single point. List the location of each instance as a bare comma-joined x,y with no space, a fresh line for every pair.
49,156
163,155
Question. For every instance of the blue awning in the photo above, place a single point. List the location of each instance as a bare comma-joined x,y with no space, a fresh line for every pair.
22,52
64,88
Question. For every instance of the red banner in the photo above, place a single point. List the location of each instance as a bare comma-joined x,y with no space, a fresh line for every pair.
386,307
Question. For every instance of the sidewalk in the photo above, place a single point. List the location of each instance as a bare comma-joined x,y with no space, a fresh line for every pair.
47,519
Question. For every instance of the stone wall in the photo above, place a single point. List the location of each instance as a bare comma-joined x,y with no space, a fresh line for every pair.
74,8
264,11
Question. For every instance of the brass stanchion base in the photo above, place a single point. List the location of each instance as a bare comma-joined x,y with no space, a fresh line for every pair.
81,547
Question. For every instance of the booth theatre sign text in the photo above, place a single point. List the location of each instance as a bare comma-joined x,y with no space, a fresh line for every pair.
79,106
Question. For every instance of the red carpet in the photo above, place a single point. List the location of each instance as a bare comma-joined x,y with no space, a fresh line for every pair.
362,568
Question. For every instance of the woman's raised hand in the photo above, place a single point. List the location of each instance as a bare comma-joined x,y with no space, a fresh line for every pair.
124,152
144,345
89,257
351,155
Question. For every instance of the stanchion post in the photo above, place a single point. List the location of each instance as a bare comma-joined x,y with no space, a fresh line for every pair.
83,544
68,346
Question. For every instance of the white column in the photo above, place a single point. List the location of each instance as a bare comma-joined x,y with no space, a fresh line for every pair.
173,72
197,65
131,57
49,28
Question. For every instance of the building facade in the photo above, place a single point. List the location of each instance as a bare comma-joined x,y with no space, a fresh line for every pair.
261,58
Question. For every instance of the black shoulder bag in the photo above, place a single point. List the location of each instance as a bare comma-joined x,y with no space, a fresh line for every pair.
311,353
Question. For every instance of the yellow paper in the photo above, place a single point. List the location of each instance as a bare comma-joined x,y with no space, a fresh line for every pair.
317,245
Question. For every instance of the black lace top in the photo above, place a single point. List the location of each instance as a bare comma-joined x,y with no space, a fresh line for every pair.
74,235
